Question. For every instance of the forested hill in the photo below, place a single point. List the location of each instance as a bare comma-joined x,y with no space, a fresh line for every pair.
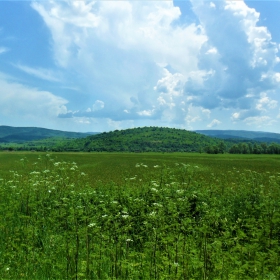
9,134
144,139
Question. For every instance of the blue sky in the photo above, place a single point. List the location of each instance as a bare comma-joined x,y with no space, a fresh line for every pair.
106,65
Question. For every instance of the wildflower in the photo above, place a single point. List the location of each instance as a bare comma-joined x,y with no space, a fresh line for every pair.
34,173
125,216
91,224
156,166
157,204
129,240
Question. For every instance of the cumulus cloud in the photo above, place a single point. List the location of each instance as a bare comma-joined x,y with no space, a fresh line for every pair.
244,51
259,121
214,123
133,57
98,105
122,50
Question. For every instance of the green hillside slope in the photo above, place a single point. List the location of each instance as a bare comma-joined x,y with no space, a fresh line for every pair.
144,139
9,134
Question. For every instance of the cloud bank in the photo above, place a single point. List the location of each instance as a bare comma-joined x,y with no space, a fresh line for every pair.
139,63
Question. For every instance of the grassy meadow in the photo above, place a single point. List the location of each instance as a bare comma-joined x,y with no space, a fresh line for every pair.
139,216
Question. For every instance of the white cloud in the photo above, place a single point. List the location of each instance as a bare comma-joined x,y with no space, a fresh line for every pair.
212,51
146,113
133,57
20,102
260,121
265,103
41,73
277,77
98,105
120,50
214,123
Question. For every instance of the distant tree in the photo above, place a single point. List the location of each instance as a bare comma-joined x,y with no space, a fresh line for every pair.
222,147
234,149
244,148
264,148
257,149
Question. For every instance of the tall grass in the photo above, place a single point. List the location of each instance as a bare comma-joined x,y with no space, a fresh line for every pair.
163,224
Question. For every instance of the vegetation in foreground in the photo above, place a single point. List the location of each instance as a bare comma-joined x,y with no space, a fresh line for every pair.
170,224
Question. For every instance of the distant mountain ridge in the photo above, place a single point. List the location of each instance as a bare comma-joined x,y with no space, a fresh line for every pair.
10,134
260,136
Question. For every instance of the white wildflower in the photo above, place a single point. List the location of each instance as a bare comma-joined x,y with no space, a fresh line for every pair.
180,191
125,216
153,213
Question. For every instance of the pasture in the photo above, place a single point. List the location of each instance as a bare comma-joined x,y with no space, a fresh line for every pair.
139,216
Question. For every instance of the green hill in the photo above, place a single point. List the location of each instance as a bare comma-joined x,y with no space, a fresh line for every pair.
9,134
144,139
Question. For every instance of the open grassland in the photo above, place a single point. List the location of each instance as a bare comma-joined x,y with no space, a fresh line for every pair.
139,216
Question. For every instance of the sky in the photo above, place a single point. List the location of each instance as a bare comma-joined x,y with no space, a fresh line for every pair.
94,66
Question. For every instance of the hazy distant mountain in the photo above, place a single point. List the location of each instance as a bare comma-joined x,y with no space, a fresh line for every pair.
10,134
242,134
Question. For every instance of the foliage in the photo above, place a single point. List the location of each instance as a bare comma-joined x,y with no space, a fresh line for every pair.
144,139
167,223
9,134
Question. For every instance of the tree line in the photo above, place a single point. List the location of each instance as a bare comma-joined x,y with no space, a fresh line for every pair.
243,148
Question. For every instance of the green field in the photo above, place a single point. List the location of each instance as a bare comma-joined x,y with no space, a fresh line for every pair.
139,216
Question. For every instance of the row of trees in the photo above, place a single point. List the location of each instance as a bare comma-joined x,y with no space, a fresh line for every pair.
244,148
